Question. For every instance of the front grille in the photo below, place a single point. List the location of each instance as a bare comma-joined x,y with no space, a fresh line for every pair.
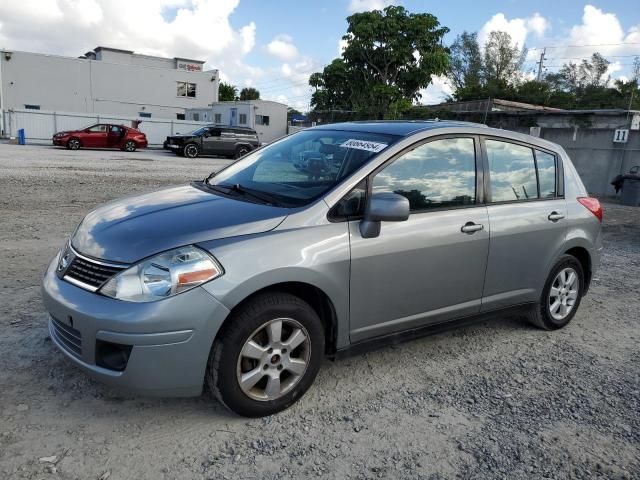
67,336
91,273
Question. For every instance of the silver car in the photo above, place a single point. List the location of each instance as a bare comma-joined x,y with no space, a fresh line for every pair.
333,239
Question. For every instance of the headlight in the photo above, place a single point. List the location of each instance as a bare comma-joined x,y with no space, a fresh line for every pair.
164,275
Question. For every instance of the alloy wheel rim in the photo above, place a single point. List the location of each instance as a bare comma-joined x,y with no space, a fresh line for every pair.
274,359
74,144
129,146
191,151
563,293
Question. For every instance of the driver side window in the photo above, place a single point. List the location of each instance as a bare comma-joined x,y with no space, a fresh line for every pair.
436,174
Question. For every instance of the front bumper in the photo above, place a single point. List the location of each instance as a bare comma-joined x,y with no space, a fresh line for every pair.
61,141
171,338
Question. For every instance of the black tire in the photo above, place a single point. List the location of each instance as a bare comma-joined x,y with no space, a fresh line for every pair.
74,143
241,151
541,315
129,146
191,150
224,360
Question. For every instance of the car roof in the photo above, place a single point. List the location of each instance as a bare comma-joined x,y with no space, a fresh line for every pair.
407,128
401,128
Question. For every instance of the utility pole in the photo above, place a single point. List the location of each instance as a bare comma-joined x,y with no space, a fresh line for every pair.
541,64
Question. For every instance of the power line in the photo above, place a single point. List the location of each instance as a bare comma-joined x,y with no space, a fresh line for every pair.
585,45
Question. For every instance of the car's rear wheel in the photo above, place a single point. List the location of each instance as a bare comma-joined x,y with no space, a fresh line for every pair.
241,151
267,356
191,150
561,295
74,143
129,146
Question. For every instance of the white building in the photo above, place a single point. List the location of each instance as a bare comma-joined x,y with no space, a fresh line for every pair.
267,118
106,80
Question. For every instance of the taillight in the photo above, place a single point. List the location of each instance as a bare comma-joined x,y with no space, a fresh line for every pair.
593,205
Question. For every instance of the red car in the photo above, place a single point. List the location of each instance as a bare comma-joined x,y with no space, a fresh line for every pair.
102,135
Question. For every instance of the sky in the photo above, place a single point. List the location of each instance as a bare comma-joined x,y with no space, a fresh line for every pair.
275,45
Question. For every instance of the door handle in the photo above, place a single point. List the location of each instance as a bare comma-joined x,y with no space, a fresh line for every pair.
471,227
555,216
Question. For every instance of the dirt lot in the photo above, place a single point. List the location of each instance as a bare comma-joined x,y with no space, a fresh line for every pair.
499,399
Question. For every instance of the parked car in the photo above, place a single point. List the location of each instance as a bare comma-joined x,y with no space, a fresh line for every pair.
246,280
102,135
214,140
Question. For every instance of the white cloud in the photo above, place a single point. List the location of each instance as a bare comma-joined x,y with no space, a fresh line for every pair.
517,28
342,44
200,29
600,32
367,5
437,92
282,47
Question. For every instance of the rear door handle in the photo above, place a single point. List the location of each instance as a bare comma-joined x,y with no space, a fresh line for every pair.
471,227
555,216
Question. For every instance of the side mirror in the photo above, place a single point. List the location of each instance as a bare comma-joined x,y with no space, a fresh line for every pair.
383,207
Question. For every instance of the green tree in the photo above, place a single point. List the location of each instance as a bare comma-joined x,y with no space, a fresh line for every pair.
332,87
575,78
389,57
227,92
502,62
392,54
478,73
465,65
249,93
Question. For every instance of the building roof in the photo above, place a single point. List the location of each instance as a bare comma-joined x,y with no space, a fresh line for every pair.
396,127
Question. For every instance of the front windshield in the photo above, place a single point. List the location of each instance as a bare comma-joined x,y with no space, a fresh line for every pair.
301,167
199,131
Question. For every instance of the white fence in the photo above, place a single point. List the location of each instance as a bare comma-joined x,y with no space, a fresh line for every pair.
40,125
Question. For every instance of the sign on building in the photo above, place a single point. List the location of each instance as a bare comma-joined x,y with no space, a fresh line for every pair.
188,66
621,135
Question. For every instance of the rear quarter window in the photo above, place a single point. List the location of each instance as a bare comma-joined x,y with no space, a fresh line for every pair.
512,171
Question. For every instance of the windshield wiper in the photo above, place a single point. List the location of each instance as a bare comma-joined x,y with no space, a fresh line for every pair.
262,197
209,177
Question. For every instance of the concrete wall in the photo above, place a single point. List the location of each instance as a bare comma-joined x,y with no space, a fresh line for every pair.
597,159
101,86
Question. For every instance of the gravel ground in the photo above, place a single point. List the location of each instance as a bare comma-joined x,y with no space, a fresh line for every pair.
498,399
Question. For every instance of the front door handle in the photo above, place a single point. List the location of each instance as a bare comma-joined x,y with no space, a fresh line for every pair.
471,227
555,216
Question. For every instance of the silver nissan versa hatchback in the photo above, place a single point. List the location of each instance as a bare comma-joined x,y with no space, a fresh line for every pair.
326,241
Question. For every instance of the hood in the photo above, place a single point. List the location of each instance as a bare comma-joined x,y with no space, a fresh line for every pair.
136,227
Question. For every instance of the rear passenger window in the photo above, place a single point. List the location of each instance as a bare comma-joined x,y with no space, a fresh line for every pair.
546,174
512,171
437,174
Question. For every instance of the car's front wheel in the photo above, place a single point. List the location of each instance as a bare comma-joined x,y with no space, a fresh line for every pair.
129,146
267,355
241,151
191,150
561,295
73,144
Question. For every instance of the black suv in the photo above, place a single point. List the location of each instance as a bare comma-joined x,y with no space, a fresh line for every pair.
214,140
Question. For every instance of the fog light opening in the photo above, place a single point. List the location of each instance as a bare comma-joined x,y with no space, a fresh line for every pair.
113,356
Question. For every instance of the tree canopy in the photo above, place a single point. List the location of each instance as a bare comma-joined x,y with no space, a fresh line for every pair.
390,55
249,93
227,92
495,71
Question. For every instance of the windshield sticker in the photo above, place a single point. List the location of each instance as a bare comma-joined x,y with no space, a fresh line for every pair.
364,145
